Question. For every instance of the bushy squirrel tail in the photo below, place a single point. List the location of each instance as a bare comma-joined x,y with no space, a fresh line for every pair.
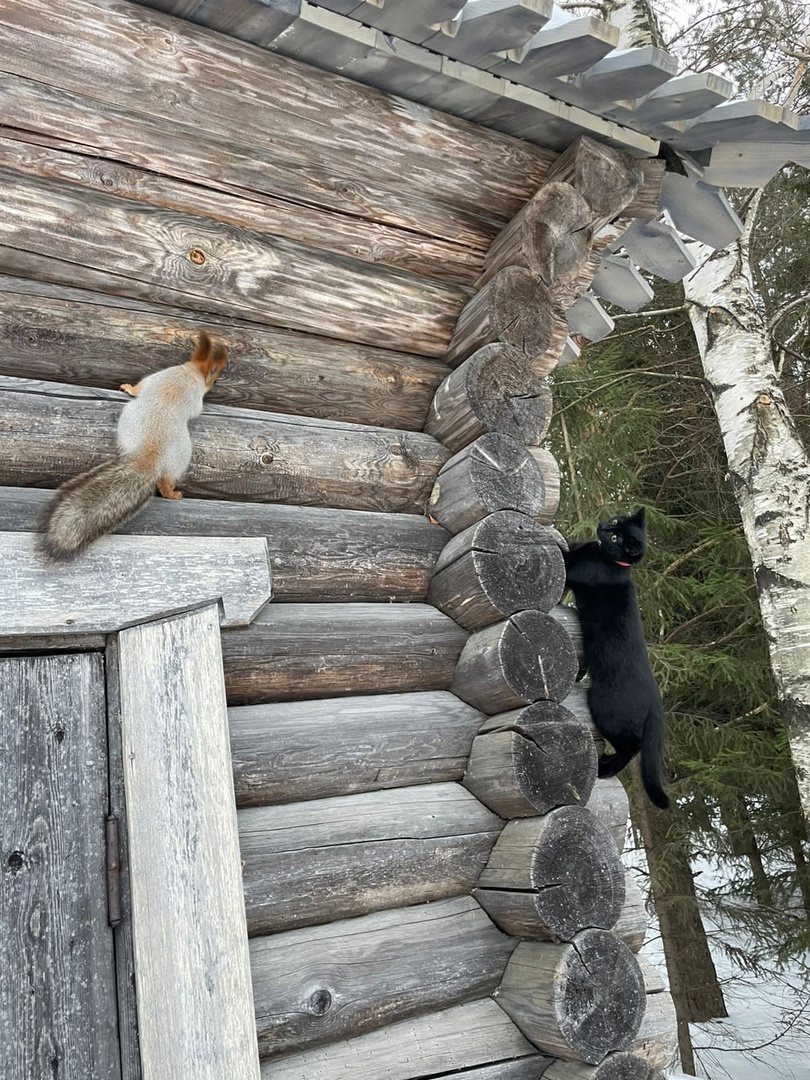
652,751
94,503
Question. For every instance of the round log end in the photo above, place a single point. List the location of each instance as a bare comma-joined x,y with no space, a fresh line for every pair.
538,658
507,395
620,1066
558,232
521,310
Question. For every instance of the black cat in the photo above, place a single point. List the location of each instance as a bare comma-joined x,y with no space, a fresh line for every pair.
623,696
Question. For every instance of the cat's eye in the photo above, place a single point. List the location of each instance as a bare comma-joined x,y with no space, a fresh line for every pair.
614,539
615,521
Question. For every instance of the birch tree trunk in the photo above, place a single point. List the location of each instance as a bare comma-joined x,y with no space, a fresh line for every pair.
768,467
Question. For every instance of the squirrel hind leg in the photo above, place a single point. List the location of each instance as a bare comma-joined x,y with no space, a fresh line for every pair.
167,489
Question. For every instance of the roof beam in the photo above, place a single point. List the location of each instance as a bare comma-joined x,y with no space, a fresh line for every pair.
485,28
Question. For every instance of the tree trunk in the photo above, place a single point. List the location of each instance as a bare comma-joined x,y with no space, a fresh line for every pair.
692,976
768,467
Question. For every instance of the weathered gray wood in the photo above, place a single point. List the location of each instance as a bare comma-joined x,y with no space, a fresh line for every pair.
621,284
461,1037
192,967
550,877
313,862
550,236
568,618
526,658
324,983
124,949
532,760
485,28
551,476
496,389
751,119
606,178
57,982
409,19
316,555
623,74
687,95
296,110
570,354
506,563
751,164
125,579
562,48
657,1039
211,266
493,473
53,431
700,210
631,926
655,246
315,749
587,318
115,134
351,236
257,21
299,651
69,335
621,1066
575,1001
610,804
513,307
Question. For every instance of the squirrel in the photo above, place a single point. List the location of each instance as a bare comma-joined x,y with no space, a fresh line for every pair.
154,450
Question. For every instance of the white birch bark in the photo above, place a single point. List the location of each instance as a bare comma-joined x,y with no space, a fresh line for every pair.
769,469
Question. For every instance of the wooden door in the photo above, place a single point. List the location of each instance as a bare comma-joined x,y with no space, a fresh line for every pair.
58,1012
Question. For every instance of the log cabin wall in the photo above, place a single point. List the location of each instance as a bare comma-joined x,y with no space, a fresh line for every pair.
391,283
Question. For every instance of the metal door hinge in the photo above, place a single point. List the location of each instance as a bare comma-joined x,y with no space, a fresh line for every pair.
113,872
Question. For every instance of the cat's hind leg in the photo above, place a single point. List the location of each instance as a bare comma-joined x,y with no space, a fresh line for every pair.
611,764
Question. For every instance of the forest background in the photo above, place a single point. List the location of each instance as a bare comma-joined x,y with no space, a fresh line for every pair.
725,871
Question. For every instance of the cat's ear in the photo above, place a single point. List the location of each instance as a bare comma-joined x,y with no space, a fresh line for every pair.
640,516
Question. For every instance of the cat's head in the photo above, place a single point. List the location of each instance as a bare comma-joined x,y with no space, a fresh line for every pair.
624,539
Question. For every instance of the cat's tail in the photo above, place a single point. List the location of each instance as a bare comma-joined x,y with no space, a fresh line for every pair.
652,752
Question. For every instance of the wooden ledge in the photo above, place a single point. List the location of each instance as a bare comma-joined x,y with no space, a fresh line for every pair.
122,580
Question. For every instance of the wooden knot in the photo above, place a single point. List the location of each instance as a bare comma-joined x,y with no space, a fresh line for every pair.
196,256
267,459
320,1002
15,862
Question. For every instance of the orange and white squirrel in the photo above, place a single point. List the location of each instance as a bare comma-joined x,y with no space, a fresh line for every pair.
154,451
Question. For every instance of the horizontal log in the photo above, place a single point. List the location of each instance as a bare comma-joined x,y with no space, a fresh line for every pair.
495,389
369,241
493,473
74,336
631,927
107,134
316,555
210,266
355,131
524,659
53,431
513,307
314,862
532,760
621,1066
551,237
326,983
568,618
550,877
466,1037
577,1001
301,651
315,749
607,178
503,564
610,804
